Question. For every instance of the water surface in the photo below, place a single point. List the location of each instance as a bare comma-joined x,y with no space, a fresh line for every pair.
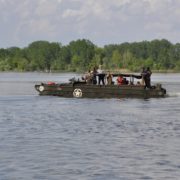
44,137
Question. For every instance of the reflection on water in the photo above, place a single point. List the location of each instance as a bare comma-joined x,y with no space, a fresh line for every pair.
55,138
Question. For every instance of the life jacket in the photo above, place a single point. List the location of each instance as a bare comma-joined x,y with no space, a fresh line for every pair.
51,83
120,80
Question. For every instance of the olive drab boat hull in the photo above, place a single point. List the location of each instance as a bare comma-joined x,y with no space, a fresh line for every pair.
83,90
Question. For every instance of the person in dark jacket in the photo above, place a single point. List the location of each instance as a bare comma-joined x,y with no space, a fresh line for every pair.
94,72
147,78
101,75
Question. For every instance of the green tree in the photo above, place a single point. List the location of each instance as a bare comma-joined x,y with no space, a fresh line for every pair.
85,50
116,60
82,54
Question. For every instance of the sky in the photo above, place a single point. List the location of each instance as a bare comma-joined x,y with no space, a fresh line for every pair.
100,21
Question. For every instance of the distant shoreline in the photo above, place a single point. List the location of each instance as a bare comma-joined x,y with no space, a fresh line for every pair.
106,70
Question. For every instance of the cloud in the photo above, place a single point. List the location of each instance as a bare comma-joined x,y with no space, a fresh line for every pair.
45,8
102,21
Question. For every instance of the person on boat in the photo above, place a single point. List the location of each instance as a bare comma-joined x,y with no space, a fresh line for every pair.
101,75
88,77
125,81
120,80
94,73
138,83
147,78
109,78
143,73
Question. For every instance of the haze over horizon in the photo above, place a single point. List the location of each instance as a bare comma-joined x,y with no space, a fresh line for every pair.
100,21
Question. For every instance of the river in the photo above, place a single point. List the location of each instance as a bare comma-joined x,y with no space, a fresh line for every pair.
52,138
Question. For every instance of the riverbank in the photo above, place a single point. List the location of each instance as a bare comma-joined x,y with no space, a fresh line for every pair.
106,70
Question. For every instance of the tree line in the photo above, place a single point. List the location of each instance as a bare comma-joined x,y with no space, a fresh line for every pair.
82,54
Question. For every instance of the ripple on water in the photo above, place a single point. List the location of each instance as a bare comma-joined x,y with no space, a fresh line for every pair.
66,138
